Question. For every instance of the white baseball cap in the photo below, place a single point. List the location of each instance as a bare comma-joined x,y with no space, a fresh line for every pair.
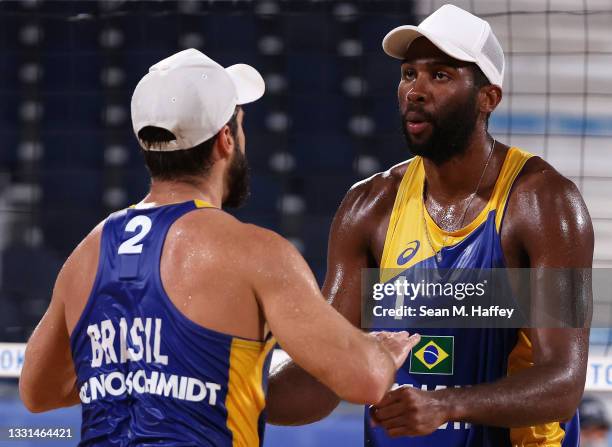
459,34
192,96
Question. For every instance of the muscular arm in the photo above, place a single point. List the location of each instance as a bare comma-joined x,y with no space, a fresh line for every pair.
294,396
48,378
553,227
357,367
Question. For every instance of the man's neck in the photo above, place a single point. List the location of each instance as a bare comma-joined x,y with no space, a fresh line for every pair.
165,192
457,177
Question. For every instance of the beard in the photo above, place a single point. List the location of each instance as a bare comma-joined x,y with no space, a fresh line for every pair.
238,180
450,132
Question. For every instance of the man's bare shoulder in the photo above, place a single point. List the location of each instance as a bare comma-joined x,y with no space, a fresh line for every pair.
542,182
547,219
219,231
542,198
84,257
270,256
374,194
76,278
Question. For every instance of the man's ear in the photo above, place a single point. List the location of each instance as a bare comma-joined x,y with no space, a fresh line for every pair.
490,96
224,144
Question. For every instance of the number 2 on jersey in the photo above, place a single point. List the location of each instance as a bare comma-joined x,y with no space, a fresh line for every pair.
132,246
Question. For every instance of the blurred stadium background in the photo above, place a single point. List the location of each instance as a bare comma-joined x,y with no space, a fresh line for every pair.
329,118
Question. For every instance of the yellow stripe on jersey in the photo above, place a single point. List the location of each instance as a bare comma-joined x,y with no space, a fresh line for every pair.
197,202
397,238
202,204
544,435
246,399
409,215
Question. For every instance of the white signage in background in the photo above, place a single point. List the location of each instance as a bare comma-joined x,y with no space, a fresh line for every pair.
11,359
599,374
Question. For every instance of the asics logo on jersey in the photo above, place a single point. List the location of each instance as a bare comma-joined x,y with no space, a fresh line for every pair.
408,253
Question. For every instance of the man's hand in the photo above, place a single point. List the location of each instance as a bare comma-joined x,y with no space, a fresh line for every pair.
408,411
398,344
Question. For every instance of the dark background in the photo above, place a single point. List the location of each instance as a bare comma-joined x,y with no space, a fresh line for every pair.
68,156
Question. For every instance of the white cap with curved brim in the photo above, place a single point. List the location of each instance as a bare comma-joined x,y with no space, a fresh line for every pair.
191,96
457,33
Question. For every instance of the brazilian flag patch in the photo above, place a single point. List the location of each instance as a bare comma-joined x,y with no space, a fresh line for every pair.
434,354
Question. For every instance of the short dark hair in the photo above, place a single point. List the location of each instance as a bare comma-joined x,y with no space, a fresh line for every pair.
176,165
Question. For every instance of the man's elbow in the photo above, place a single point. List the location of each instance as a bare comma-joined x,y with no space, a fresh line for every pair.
31,399
28,398
566,411
33,407
36,405
568,400
572,402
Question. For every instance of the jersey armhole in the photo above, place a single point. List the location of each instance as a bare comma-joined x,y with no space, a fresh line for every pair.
506,198
90,299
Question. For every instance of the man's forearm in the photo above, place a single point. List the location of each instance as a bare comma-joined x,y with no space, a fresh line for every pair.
296,398
536,395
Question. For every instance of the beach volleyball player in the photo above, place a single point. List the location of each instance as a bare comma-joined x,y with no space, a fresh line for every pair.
464,201
161,320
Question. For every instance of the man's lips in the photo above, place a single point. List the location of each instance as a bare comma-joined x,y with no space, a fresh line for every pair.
416,121
417,127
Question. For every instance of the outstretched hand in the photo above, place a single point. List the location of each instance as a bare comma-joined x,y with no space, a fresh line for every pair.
398,344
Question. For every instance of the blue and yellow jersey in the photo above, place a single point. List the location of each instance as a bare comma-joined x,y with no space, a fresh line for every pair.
147,374
460,357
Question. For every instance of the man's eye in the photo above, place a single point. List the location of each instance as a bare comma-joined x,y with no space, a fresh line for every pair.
408,74
440,75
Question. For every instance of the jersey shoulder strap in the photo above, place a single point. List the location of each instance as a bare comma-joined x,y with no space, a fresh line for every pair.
407,190
512,167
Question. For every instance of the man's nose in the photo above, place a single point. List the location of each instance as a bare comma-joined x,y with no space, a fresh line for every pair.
416,93
418,89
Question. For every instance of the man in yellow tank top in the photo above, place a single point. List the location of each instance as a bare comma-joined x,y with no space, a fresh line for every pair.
465,200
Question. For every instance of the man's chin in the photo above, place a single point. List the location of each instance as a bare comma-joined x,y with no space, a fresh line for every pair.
423,149
419,144
427,151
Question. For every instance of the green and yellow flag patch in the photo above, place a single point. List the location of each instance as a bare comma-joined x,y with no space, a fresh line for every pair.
434,354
